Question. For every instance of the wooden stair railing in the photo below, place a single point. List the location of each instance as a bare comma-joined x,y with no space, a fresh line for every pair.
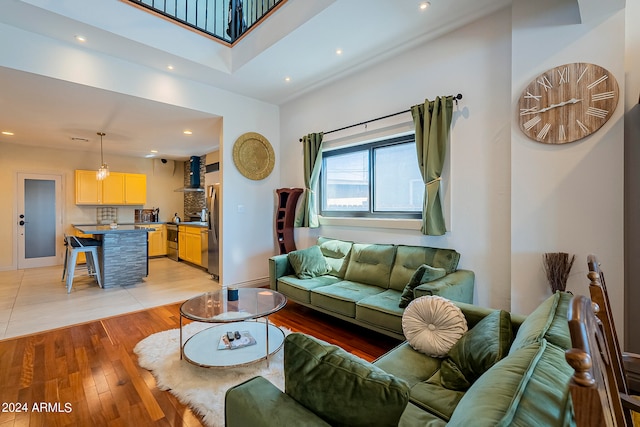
599,388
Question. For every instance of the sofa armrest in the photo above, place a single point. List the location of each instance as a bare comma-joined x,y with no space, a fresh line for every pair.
475,313
258,403
279,266
456,286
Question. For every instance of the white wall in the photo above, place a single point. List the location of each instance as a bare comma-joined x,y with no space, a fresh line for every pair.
474,61
247,205
566,198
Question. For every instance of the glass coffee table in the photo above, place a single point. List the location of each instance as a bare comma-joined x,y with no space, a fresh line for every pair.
208,348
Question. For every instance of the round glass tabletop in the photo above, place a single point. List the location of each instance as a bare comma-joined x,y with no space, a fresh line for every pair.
215,307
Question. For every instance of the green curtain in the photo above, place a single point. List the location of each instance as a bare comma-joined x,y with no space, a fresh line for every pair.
307,215
432,122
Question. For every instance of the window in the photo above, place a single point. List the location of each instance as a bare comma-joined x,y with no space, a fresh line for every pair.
379,179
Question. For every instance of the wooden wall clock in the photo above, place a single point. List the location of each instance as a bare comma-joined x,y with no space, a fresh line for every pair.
567,103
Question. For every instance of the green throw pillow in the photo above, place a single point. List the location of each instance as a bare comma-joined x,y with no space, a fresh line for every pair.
308,263
339,387
479,349
425,273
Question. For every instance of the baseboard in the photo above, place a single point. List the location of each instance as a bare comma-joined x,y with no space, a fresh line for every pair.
255,283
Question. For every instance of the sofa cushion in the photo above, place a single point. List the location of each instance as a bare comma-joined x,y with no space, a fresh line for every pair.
480,348
308,263
431,396
424,273
415,416
370,264
526,388
299,289
406,363
433,325
548,320
409,258
341,388
336,253
341,297
381,310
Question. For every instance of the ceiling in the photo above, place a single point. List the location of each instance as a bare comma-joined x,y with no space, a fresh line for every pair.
299,41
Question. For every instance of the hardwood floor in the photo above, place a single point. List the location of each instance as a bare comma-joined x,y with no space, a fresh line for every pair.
362,342
87,374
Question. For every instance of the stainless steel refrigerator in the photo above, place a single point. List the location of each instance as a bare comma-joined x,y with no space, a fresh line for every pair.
213,205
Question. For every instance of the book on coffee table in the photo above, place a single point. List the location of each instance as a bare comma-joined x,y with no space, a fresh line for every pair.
244,340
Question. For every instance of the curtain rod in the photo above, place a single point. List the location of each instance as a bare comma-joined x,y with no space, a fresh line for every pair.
455,98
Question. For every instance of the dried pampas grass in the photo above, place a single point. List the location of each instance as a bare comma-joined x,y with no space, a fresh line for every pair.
557,266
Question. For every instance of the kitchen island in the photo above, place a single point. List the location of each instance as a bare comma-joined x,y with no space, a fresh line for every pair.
123,253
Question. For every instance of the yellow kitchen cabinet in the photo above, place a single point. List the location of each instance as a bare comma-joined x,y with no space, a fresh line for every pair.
135,186
190,244
117,189
88,188
182,242
113,189
158,240
194,247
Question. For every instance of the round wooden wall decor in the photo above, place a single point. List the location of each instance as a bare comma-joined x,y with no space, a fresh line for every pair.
567,103
253,156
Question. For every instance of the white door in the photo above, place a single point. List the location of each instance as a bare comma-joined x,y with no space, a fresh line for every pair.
39,221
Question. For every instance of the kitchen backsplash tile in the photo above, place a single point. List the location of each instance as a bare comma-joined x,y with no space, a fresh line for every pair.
106,215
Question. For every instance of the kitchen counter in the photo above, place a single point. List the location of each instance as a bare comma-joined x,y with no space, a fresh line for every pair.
123,253
129,224
105,228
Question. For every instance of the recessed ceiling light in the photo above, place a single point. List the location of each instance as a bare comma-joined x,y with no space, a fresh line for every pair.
338,51
6,132
169,67
424,5
287,79
187,132
154,151
81,39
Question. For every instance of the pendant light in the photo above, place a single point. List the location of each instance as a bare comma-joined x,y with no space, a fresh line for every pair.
103,172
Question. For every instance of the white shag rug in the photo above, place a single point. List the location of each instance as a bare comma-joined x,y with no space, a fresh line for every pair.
202,389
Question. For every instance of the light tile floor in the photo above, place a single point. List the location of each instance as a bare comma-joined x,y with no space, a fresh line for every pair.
36,299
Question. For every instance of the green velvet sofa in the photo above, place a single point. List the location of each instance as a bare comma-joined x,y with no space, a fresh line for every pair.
520,379
363,283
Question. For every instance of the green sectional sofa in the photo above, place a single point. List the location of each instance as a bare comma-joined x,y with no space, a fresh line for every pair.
515,366
362,283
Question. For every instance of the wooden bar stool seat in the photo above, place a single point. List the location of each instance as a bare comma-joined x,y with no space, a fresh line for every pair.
89,247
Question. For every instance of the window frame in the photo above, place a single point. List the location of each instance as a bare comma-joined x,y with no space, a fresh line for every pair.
369,147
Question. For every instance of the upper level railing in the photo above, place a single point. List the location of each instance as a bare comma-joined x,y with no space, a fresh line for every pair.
225,20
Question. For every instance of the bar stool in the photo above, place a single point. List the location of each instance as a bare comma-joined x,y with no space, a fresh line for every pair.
89,247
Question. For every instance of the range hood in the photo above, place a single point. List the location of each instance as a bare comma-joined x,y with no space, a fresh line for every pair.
194,177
